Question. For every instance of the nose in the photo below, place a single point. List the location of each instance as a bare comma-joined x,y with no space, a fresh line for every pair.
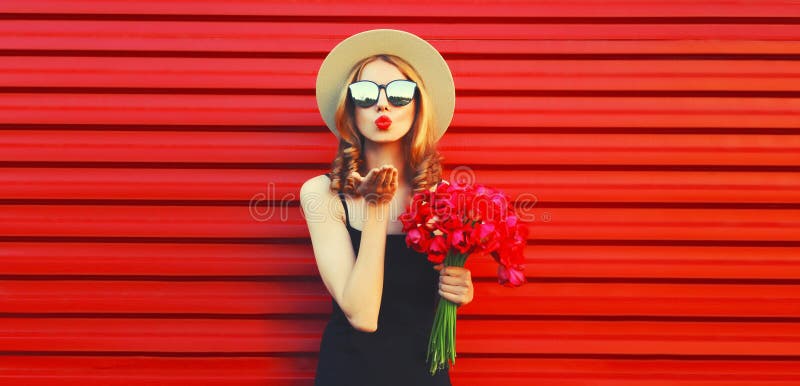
383,100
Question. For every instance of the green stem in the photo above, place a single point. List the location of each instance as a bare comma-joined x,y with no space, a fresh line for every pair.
442,341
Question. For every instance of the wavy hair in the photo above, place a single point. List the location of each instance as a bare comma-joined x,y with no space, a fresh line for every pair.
419,144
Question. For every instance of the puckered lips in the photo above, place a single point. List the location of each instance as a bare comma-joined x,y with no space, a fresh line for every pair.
383,122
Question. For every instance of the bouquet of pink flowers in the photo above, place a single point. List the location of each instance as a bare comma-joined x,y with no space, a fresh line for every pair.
451,223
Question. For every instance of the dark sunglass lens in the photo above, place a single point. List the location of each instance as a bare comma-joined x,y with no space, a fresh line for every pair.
401,92
364,93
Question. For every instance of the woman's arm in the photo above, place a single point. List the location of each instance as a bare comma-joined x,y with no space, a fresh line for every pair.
356,284
364,287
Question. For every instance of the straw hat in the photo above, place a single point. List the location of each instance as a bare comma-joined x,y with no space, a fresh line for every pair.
431,67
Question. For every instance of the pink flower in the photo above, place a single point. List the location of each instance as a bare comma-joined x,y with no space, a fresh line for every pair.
452,223
444,186
511,221
510,276
509,226
443,205
490,206
418,239
419,210
431,223
511,251
483,231
437,250
459,239
408,219
484,236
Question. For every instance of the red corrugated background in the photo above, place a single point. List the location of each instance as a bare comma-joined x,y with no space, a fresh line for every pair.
151,153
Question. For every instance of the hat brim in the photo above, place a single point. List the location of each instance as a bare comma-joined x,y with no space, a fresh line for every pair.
429,63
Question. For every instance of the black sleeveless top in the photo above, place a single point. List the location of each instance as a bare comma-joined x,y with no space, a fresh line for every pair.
395,353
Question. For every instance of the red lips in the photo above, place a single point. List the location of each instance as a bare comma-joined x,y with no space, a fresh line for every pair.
383,122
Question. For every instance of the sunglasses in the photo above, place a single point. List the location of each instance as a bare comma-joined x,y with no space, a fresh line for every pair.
399,92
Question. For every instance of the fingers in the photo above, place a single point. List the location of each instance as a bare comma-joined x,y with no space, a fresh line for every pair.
453,271
454,280
380,182
367,183
358,182
455,284
453,289
372,176
389,176
378,175
383,180
459,300
393,179
451,297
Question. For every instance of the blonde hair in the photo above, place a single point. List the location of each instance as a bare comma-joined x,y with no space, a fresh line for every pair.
419,144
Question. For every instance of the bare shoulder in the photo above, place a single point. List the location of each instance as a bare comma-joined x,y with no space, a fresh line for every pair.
316,196
316,184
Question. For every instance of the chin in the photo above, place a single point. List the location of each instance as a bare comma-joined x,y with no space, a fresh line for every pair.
391,135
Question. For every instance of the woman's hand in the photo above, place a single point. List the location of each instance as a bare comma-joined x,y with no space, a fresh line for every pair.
378,186
455,284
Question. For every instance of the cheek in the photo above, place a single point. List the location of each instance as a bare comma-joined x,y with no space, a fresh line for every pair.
408,114
362,121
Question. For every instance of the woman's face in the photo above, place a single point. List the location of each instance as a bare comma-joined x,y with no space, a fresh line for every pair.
401,117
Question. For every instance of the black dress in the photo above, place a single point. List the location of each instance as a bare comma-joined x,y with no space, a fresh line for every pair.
395,353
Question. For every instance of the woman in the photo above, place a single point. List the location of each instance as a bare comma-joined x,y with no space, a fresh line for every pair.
388,96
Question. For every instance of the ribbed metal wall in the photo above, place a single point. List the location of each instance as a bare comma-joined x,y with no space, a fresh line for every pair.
151,153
